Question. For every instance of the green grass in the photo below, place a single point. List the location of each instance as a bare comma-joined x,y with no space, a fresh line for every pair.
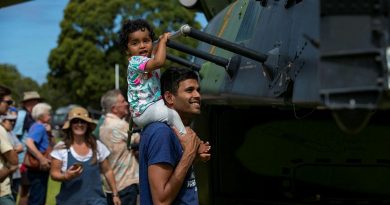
52,191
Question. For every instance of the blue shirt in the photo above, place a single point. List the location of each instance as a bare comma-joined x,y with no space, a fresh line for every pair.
158,145
39,135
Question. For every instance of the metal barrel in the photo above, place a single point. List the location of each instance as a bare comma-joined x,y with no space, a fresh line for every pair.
198,53
184,62
174,34
227,45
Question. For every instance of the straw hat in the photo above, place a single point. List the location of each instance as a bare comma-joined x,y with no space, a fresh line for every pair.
31,95
79,113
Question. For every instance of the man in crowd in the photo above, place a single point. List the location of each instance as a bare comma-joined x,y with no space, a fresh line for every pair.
114,134
8,156
25,120
166,172
23,124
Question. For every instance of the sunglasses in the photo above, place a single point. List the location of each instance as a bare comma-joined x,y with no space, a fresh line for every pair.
9,102
78,121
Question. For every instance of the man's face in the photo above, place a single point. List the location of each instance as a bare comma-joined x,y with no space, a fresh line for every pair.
121,107
4,104
187,100
29,104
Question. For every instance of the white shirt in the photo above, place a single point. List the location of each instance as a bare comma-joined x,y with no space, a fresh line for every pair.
62,154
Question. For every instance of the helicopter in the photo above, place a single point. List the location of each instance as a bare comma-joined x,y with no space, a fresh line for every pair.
295,100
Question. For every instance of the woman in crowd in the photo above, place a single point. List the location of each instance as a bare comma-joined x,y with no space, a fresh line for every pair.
8,122
78,161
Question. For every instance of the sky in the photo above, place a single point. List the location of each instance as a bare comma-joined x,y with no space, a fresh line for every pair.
28,32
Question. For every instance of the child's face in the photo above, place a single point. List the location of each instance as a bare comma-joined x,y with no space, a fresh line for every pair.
140,43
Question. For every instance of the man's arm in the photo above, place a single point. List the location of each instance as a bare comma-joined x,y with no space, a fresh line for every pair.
165,181
11,165
44,163
9,155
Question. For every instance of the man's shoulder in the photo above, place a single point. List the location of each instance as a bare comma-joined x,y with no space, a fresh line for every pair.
156,129
113,121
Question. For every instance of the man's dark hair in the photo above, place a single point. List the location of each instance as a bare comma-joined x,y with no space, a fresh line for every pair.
171,78
4,91
131,26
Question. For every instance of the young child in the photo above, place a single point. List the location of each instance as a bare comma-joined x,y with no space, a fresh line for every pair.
143,75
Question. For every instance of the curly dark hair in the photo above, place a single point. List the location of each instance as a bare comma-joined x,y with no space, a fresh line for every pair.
130,26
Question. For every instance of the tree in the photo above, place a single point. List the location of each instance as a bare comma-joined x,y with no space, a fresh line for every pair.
82,65
18,84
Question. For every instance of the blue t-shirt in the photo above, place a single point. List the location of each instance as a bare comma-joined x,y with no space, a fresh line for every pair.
159,144
39,135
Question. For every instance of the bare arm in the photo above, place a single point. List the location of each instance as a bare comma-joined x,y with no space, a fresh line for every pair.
12,158
57,175
12,164
109,175
165,181
55,170
4,173
160,55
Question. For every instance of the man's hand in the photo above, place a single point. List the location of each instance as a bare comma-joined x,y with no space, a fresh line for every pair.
190,142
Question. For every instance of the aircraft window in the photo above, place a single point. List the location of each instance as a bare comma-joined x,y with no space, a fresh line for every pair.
251,16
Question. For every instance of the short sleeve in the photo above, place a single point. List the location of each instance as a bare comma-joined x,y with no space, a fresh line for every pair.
163,147
58,150
36,132
138,63
103,151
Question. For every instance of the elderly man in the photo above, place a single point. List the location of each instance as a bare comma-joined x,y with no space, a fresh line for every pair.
8,156
114,134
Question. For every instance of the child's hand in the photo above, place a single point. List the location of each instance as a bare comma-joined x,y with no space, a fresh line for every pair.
164,37
204,151
204,147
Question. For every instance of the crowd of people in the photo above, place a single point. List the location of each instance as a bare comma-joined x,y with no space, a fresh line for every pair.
101,164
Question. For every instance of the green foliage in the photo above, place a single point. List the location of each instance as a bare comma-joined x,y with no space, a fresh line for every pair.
18,84
82,65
